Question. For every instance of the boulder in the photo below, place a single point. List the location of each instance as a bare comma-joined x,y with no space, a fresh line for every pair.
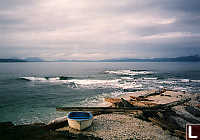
57,123
193,110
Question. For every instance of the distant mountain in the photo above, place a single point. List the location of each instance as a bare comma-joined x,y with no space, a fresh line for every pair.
12,60
29,59
193,58
34,59
75,61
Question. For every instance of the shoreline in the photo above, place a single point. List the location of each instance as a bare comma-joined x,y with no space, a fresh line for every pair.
132,125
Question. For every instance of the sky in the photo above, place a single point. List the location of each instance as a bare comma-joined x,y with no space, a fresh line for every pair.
99,29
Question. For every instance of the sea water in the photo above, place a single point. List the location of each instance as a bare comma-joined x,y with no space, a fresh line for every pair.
30,92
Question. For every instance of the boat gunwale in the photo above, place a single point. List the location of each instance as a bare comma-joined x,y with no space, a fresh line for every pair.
80,119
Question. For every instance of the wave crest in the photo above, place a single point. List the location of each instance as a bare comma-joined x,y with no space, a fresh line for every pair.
129,72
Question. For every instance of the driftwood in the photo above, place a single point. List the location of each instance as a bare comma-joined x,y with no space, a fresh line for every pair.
106,109
167,126
118,103
161,115
125,109
158,92
126,103
150,94
166,120
172,104
143,104
165,95
112,100
133,98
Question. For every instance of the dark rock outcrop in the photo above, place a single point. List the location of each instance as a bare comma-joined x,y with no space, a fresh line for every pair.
9,131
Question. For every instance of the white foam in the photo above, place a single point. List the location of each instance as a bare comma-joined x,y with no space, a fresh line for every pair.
34,78
166,82
86,83
129,72
128,85
54,79
117,83
196,81
185,80
127,78
98,100
150,78
42,79
180,80
90,83
180,89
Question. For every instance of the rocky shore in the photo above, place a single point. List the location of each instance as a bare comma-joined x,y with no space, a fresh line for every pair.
9,131
167,123
123,126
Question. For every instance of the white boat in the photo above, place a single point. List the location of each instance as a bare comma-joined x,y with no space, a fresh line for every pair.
80,120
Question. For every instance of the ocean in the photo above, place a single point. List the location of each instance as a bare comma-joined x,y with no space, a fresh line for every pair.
30,92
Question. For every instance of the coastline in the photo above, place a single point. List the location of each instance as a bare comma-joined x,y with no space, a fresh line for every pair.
132,125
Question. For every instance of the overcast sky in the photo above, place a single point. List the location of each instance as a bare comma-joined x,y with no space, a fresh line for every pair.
99,29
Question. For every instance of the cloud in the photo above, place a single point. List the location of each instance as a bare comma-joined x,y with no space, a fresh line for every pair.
89,29
173,35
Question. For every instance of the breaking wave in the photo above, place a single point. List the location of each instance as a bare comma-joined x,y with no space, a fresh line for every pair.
196,81
61,78
33,78
129,72
98,100
82,83
149,78
125,83
91,83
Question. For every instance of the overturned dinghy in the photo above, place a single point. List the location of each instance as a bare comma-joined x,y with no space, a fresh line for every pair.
80,120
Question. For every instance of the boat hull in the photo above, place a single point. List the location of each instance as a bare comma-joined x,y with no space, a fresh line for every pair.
80,124
80,120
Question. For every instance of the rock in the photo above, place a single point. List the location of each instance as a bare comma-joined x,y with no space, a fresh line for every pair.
6,124
38,131
57,123
112,100
193,110
160,115
198,105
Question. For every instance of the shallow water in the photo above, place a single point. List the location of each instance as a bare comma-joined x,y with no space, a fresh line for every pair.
30,92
